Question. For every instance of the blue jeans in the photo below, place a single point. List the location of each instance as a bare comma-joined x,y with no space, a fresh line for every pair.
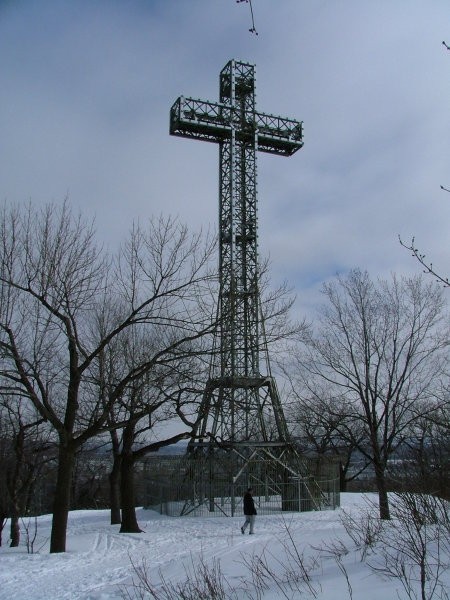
249,520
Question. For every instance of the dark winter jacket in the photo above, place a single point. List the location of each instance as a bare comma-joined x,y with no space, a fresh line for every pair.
249,505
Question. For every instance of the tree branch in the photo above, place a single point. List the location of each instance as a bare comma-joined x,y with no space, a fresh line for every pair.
252,28
428,267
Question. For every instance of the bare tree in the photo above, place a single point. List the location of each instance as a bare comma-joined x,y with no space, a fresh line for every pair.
28,444
143,407
53,276
321,423
167,393
415,548
427,466
382,346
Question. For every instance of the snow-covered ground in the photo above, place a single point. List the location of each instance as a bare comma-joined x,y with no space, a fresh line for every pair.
98,558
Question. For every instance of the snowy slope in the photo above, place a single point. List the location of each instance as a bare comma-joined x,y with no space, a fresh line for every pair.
98,558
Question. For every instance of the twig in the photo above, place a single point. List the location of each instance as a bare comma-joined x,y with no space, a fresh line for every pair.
428,267
253,28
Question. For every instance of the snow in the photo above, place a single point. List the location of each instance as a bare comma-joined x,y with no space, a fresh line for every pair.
97,564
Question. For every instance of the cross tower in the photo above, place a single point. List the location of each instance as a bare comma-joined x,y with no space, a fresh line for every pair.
239,400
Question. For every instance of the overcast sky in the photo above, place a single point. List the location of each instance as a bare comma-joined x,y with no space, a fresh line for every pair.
85,92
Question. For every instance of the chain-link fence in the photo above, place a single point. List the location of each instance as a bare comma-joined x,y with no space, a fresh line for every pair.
202,485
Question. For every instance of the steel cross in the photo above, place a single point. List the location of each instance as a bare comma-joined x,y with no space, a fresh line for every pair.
240,131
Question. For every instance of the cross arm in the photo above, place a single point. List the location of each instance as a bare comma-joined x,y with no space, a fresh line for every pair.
278,135
210,121
214,121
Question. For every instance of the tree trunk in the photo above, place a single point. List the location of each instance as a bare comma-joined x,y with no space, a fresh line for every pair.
15,530
382,492
3,519
129,521
342,478
61,505
15,484
114,490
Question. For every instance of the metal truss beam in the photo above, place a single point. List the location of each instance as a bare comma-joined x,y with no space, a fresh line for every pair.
240,404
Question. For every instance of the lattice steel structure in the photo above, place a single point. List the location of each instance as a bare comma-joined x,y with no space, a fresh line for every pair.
241,410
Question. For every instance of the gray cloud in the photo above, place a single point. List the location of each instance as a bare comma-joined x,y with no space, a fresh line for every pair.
86,90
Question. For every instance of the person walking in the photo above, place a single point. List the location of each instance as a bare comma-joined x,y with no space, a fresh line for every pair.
249,511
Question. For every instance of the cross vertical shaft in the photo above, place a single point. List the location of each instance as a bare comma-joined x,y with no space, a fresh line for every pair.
239,401
238,263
